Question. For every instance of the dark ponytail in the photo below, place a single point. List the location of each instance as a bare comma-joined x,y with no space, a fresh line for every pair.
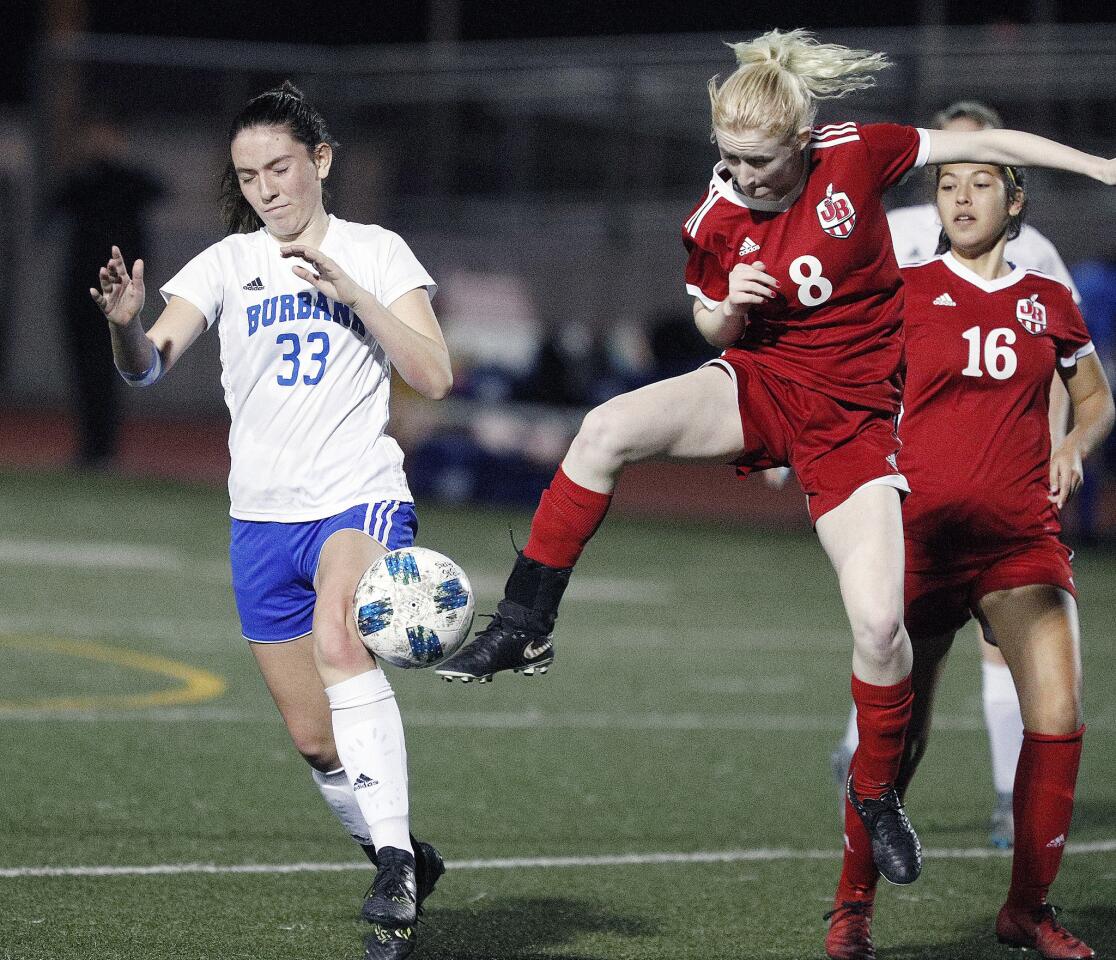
282,106
1013,186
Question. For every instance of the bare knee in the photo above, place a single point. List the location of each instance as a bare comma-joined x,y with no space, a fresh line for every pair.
335,643
603,441
879,635
1057,711
315,745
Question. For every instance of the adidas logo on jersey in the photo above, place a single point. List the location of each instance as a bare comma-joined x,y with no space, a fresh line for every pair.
945,300
748,246
256,284
364,781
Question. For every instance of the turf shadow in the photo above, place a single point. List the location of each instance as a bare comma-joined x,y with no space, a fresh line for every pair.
520,928
1093,923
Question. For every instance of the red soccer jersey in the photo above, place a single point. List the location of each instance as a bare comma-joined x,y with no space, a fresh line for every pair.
835,324
976,440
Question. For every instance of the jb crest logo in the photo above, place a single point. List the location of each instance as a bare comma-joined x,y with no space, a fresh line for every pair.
836,214
1031,314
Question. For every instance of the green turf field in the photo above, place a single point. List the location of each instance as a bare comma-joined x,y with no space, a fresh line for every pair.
701,682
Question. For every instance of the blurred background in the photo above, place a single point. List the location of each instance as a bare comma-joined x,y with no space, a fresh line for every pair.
538,157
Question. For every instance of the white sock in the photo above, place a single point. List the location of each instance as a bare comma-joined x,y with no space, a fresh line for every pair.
368,732
1004,722
852,735
339,796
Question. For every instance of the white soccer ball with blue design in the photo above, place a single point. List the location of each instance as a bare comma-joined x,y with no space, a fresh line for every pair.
413,607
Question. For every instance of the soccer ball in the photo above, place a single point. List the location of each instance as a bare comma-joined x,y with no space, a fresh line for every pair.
413,607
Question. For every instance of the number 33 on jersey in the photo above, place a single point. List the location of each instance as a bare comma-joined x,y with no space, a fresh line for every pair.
301,372
835,325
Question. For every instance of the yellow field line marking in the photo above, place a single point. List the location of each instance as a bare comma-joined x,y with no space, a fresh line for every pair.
196,685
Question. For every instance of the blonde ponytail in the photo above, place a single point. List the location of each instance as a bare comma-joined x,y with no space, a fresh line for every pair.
781,77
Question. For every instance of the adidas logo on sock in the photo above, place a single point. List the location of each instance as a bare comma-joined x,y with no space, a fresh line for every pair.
945,300
748,246
256,284
1058,841
364,781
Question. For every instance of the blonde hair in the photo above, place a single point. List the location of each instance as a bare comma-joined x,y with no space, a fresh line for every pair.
782,76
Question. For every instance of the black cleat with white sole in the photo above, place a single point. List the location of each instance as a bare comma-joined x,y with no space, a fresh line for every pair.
518,636
500,646
896,850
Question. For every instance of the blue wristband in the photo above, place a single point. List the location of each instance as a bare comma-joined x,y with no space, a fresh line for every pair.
150,375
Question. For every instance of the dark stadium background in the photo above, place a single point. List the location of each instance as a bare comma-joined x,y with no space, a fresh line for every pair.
151,806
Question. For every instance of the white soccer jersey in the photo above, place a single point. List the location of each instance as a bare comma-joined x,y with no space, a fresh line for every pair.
306,384
915,231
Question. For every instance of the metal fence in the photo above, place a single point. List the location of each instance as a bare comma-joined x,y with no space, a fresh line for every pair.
568,164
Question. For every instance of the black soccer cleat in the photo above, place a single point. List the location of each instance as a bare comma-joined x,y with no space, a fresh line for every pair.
392,900
389,943
429,866
500,646
518,636
896,850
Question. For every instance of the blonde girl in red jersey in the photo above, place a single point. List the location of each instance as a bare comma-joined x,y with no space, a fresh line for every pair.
981,525
792,272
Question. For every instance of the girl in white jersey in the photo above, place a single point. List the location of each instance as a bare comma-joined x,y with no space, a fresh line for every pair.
314,313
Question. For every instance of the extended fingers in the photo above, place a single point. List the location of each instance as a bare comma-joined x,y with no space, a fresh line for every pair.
751,279
303,252
750,291
308,275
118,263
1064,482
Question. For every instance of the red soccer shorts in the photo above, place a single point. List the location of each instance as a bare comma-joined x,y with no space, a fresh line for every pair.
833,447
942,592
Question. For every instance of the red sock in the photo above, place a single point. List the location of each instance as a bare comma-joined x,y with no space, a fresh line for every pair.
882,715
568,515
858,871
1043,805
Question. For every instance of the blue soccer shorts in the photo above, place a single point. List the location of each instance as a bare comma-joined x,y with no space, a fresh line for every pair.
273,564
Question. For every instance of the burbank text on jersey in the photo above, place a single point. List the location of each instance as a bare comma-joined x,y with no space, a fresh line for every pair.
302,306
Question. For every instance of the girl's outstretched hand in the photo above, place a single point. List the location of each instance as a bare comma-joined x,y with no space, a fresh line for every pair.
122,294
327,276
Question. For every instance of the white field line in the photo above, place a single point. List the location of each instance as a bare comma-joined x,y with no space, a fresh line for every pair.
519,720
521,863
185,630
512,720
123,556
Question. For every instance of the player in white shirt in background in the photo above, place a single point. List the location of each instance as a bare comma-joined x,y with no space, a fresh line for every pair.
915,232
314,312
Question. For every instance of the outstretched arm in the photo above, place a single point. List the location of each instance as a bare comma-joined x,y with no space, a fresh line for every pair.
1015,147
140,356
